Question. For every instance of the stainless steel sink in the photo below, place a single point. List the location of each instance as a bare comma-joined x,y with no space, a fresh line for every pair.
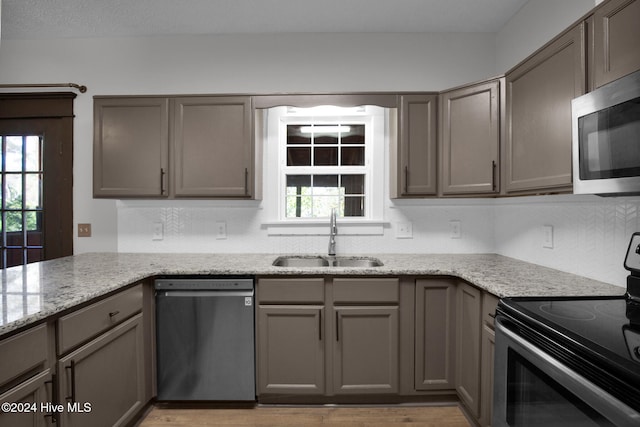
356,262
319,261
300,261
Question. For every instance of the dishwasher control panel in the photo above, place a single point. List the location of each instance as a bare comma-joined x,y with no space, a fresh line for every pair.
204,284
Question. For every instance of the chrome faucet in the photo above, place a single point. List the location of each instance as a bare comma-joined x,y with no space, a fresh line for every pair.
333,230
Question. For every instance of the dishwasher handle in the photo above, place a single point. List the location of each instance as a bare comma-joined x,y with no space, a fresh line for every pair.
205,293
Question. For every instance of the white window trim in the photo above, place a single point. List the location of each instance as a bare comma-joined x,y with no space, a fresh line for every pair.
274,123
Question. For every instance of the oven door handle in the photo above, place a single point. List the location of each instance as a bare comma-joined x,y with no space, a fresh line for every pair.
607,405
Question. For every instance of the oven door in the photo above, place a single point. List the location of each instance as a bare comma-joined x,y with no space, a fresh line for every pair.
531,388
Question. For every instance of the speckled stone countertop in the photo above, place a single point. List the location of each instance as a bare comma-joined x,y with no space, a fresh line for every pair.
38,291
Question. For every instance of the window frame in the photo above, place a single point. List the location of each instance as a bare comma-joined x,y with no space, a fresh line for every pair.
271,129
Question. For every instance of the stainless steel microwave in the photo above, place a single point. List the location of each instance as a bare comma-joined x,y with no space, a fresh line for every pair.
606,139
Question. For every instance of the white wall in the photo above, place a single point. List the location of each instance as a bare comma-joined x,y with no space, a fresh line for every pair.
534,25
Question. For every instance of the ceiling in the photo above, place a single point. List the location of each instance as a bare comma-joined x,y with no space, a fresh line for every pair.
46,19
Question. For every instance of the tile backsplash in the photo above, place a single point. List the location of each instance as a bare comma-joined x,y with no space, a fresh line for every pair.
590,234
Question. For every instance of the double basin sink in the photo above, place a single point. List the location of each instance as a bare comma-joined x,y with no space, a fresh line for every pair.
326,261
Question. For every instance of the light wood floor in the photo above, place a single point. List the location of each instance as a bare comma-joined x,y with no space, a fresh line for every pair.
325,416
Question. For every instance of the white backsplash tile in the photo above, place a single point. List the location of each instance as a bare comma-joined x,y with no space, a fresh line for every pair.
591,234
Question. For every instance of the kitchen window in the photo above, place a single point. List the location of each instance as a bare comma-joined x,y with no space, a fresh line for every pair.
321,158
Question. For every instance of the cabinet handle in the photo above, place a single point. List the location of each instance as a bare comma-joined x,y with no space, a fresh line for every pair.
320,325
54,398
493,174
114,313
406,179
72,367
162,181
246,181
337,327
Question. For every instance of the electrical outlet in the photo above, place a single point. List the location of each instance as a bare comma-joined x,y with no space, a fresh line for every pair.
84,230
221,230
547,239
158,231
404,230
455,229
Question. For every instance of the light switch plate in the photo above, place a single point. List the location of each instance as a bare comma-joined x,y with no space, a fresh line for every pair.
158,231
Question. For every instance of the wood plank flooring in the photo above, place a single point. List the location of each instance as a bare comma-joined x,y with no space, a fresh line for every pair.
323,416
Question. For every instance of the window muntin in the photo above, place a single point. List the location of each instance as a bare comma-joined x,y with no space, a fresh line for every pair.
326,167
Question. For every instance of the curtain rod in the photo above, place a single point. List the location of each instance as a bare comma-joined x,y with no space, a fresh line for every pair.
81,88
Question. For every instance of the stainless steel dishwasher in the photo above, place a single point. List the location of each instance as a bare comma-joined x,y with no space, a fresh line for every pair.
205,339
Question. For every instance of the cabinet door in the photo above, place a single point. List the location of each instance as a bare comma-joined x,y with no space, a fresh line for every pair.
290,350
105,379
470,131
468,329
130,147
486,398
435,334
213,147
34,394
416,158
365,350
616,37
539,94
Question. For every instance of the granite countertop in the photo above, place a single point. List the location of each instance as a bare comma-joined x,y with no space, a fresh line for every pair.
40,290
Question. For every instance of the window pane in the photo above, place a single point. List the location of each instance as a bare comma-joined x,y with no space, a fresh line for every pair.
297,156
296,136
33,191
325,135
34,223
33,151
354,136
14,257
325,181
35,255
13,221
325,156
299,207
352,156
353,184
298,181
13,191
13,155
354,206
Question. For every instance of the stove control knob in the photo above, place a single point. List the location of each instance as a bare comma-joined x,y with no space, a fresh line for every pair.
638,249
636,351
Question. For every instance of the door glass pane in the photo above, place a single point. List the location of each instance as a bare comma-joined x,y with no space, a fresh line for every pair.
21,200
13,154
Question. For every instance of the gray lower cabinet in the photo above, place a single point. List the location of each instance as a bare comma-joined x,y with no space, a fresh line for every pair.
311,344
468,330
291,349
470,139
538,115
26,378
102,382
489,303
365,350
615,40
435,305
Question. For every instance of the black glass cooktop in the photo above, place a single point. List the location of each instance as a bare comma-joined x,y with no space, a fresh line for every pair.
606,330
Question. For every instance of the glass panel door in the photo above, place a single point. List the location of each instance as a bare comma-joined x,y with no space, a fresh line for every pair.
21,196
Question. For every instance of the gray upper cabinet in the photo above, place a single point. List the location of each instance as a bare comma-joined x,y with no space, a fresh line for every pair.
538,115
616,34
213,147
131,146
209,152
413,161
470,139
